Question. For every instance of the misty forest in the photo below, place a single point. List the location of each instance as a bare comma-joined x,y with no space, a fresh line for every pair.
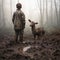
47,14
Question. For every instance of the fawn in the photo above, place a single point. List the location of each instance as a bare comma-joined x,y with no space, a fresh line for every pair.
36,32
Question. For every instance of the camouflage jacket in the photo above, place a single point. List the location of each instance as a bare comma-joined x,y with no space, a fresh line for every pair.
18,19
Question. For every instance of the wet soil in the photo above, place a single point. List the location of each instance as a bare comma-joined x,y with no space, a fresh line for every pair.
46,48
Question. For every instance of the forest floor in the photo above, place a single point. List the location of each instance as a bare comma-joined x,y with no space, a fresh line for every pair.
47,48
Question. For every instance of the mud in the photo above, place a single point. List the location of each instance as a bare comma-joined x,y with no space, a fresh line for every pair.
47,48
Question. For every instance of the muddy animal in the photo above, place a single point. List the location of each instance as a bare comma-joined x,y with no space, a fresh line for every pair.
37,32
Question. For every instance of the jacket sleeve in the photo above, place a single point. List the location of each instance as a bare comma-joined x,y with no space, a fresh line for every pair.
23,17
13,18
23,20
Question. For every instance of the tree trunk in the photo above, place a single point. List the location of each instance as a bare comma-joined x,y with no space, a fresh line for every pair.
3,20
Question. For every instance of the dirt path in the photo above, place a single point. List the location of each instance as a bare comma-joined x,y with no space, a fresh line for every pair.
47,48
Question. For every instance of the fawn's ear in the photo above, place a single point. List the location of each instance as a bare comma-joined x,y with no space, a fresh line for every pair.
36,23
29,20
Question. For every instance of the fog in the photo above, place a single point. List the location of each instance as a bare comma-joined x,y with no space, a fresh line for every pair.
45,12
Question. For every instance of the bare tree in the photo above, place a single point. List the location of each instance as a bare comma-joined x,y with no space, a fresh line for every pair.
0,14
51,16
40,8
59,12
3,20
11,6
47,12
56,11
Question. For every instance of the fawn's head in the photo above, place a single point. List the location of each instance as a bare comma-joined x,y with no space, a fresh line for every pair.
32,23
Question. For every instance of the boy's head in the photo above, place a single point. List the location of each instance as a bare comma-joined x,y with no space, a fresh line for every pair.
18,6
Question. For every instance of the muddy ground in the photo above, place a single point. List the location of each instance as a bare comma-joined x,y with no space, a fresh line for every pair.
47,48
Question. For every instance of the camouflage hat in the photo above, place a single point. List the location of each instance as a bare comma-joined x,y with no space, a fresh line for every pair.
18,5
